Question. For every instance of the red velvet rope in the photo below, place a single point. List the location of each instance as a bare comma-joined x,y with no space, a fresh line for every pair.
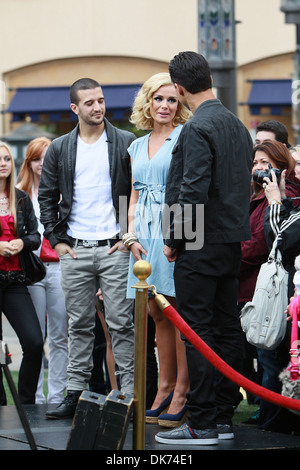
224,368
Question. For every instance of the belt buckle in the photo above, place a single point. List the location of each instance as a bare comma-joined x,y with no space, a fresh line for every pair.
89,243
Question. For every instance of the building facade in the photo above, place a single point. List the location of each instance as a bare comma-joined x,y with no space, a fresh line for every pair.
48,44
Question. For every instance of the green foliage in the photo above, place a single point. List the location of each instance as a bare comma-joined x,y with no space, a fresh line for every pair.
244,411
14,374
127,126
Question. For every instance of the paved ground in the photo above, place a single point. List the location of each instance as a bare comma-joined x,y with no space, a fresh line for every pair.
55,434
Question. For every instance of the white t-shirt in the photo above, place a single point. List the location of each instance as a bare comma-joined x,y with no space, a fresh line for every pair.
92,215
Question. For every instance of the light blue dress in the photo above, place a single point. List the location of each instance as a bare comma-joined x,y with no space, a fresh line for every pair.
150,177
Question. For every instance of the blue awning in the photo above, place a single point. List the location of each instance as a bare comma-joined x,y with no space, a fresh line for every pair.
275,94
40,100
33,101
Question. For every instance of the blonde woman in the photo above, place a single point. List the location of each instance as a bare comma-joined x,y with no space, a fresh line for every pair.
156,108
18,232
47,295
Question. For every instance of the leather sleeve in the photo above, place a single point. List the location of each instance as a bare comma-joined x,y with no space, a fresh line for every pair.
27,224
284,217
49,195
188,183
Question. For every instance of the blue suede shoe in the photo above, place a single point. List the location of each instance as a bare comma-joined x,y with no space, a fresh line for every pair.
152,415
173,421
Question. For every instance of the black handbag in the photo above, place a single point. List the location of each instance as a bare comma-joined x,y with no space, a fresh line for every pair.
34,268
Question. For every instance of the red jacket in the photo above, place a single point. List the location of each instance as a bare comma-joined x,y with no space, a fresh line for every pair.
255,251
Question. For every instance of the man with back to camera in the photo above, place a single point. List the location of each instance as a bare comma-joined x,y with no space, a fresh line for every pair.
211,166
85,172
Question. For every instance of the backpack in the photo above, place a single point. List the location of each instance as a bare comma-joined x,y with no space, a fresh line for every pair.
263,319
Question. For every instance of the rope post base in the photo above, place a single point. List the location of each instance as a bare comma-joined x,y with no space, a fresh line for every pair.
142,270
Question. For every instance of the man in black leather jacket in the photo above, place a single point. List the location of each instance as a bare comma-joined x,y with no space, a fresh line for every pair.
86,173
211,167
61,157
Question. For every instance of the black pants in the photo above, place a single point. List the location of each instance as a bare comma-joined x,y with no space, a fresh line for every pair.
206,293
17,306
152,369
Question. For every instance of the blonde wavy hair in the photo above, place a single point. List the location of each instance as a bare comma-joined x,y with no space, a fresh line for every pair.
10,185
140,116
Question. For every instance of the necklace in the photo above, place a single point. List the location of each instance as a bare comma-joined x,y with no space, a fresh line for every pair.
4,205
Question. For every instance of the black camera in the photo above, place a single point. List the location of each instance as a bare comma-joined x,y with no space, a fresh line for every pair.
259,175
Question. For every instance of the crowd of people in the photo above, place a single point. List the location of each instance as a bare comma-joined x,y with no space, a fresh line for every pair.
92,202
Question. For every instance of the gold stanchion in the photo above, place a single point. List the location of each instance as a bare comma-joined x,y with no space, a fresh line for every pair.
142,270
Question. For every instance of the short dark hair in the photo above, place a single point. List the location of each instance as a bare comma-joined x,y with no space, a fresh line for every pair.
279,153
279,130
190,70
82,84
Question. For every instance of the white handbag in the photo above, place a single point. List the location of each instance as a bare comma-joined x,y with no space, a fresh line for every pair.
263,319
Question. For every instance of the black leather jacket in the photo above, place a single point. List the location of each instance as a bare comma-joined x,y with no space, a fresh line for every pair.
211,166
27,226
56,185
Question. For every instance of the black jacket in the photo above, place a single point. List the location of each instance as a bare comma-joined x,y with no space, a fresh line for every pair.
287,216
27,226
56,185
211,166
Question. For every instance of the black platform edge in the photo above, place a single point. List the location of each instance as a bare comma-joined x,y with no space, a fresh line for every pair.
53,435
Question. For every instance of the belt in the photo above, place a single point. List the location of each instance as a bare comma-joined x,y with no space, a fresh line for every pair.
93,243
11,276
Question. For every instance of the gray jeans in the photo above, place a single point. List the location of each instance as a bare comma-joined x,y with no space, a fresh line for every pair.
79,279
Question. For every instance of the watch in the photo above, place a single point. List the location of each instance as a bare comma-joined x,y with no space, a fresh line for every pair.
274,201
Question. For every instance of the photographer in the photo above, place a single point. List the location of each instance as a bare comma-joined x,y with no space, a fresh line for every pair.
255,252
